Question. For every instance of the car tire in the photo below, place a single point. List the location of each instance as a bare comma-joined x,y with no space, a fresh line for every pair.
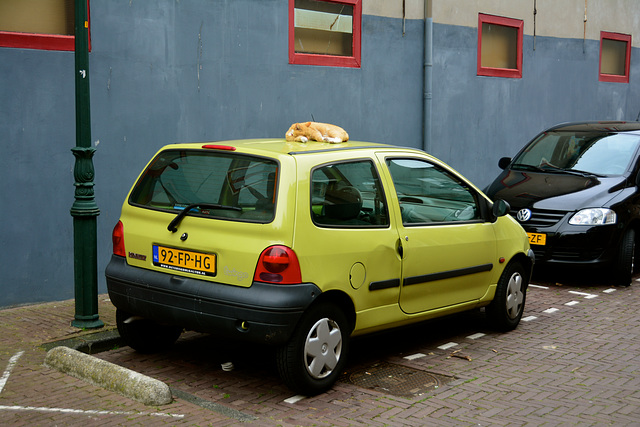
144,335
313,359
505,311
624,265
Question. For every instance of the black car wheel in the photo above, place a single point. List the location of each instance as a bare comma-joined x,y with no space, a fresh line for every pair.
144,335
624,265
505,311
313,359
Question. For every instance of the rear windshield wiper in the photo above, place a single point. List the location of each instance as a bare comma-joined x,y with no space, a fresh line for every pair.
173,225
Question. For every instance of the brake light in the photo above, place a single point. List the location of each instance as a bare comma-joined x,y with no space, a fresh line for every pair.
278,264
117,237
219,147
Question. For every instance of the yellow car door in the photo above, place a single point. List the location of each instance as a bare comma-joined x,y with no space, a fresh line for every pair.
346,240
448,249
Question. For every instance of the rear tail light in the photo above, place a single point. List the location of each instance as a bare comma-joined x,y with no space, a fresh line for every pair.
278,264
117,237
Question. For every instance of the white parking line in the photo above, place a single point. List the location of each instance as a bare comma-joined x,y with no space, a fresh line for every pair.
538,286
5,377
476,336
608,291
295,399
7,372
448,345
82,411
570,303
529,318
551,310
584,294
415,356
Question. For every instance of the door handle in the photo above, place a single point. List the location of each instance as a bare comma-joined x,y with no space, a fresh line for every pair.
400,249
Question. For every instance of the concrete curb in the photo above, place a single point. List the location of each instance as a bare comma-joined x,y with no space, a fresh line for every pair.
92,343
112,377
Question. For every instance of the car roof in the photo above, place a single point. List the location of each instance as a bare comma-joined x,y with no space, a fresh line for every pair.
597,126
280,146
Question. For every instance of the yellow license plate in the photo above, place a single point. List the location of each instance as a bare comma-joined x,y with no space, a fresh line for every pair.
537,238
185,261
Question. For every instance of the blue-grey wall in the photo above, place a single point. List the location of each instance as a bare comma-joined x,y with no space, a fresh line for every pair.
202,70
164,72
477,120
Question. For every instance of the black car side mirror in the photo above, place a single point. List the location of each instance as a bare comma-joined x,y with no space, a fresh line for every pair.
504,162
500,208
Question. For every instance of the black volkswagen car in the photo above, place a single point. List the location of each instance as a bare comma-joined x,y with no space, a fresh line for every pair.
574,188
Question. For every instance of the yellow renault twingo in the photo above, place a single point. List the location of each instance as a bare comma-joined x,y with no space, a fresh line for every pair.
305,245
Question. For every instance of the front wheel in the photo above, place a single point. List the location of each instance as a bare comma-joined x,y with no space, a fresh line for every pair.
624,265
313,359
505,311
144,335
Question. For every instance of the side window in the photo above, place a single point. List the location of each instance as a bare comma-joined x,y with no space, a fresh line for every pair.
325,32
499,46
429,194
348,194
615,57
38,24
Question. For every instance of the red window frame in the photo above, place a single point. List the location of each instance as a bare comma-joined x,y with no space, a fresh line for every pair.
328,60
518,24
627,62
42,41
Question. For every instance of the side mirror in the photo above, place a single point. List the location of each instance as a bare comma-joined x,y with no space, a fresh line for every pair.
500,208
504,162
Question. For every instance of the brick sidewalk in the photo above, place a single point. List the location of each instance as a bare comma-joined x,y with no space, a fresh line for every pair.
575,359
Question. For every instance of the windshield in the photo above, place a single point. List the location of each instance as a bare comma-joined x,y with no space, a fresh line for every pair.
590,152
210,184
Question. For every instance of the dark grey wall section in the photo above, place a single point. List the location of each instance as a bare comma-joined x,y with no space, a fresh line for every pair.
37,131
477,120
164,72
202,70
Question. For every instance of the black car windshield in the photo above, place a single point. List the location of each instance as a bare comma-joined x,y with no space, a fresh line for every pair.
594,153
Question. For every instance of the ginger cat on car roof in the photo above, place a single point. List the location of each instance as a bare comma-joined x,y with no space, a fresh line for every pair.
313,131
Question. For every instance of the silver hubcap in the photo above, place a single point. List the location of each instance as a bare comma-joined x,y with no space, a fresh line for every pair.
322,348
514,295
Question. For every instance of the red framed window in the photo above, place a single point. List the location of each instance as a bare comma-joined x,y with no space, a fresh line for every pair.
325,32
615,57
38,24
499,46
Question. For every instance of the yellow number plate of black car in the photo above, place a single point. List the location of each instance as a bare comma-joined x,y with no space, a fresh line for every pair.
537,238
185,261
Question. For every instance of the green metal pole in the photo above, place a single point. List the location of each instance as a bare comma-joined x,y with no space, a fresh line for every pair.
84,209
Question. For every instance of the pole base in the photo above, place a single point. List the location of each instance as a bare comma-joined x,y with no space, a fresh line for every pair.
89,323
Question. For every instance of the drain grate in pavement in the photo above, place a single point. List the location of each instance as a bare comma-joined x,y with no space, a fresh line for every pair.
395,379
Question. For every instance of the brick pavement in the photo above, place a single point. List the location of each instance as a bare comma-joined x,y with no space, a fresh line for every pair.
575,360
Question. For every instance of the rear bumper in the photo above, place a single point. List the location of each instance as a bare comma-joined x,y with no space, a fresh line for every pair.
263,312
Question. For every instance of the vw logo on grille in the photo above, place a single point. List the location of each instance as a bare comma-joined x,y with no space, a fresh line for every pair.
523,215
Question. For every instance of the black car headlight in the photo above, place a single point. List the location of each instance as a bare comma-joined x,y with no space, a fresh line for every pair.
593,216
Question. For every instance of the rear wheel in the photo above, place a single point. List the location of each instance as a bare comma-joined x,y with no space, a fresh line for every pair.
624,265
144,335
505,311
313,359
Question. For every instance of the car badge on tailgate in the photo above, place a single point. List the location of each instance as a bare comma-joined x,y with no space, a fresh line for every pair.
137,256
